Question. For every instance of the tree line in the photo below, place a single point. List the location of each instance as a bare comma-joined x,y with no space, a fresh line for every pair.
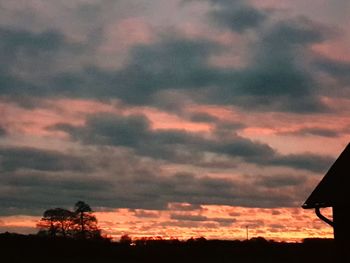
80,223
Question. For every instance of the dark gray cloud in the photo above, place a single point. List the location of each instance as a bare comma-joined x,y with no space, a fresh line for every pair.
145,214
307,161
121,180
237,16
195,190
278,76
200,218
14,42
338,70
25,192
322,132
16,158
3,131
183,147
223,221
109,129
134,132
29,60
203,117
185,217
241,147
172,63
276,79
278,181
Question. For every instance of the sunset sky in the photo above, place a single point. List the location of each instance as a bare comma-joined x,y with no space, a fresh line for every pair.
173,118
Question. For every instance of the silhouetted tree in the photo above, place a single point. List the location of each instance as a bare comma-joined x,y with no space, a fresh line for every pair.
86,221
57,221
125,239
78,224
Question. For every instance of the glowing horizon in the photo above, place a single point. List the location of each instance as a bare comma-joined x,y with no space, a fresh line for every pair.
173,119
210,222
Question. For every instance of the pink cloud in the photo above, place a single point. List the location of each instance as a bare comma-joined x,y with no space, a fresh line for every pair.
271,128
123,34
18,120
338,50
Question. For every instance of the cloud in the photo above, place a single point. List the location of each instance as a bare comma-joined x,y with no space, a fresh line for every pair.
109,129
205,190
316,131
31,193
278,181
222,221
145,213
123,181
121,161
277,77
15,41
171,64
29,61
16,158
3,131
307,161
237,15
176,206
184,217
134,132
182,147
338,70
203,117
33,188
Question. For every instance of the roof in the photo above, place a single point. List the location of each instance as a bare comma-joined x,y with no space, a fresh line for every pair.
334,188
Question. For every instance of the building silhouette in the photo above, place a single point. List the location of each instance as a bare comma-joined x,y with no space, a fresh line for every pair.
334,191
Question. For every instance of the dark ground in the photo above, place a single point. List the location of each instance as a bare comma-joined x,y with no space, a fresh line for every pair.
22,248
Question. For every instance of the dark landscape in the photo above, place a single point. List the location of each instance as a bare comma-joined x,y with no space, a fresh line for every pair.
33,248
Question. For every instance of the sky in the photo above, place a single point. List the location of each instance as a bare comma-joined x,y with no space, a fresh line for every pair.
177,118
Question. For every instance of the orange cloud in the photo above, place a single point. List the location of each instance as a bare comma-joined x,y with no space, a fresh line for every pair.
337,50
209,221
